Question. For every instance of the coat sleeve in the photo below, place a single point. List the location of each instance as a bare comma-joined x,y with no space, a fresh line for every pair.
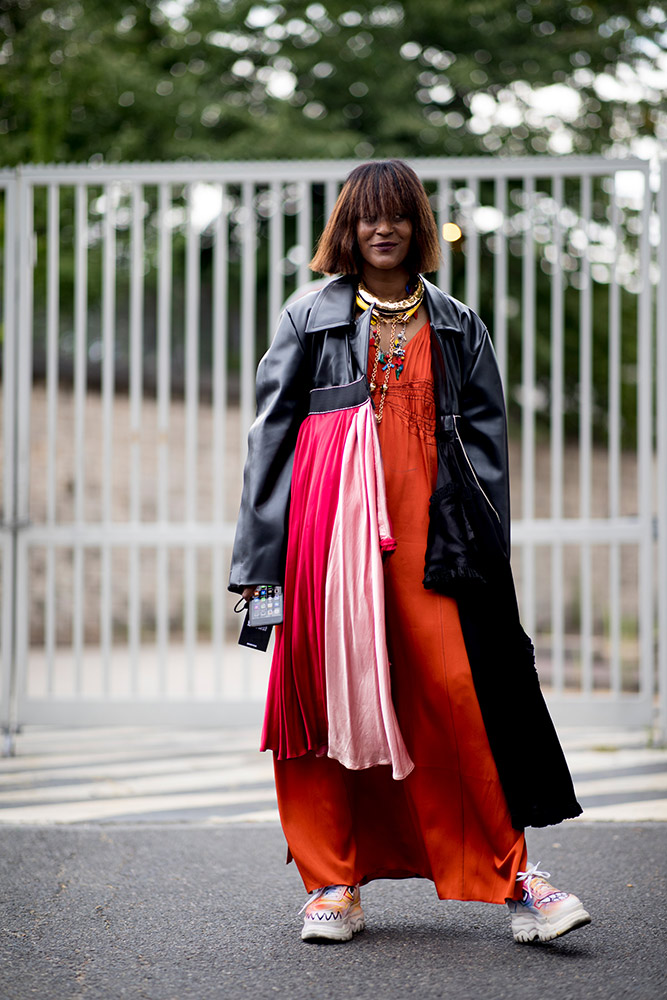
258,555
484,429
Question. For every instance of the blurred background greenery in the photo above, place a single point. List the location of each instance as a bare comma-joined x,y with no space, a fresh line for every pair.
229,79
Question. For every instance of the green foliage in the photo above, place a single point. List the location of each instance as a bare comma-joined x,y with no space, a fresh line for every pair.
221,79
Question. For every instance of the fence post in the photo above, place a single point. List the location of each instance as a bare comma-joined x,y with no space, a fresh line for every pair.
8,441
10,522
19,288
661,392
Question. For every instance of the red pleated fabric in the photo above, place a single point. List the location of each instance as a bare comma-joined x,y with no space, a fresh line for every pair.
296,718
448,819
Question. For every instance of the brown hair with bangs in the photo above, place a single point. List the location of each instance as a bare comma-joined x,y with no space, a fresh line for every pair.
381,188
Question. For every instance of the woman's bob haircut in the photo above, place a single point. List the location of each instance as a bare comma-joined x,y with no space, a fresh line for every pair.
383,188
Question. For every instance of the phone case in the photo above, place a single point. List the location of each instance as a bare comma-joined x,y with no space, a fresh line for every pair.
266,607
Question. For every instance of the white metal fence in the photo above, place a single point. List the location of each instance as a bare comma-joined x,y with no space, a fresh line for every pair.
136,302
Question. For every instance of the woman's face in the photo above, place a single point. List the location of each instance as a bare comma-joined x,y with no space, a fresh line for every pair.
384,242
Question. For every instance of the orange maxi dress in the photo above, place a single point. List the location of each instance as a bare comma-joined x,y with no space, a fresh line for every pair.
448,820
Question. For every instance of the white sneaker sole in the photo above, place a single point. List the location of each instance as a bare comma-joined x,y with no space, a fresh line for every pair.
528,927
332,930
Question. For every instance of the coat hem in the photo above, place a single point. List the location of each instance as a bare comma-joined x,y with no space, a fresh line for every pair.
540,817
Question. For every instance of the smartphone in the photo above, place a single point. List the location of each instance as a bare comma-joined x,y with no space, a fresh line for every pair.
266,605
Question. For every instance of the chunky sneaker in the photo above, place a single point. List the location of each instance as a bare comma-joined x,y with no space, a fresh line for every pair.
544,912
333,913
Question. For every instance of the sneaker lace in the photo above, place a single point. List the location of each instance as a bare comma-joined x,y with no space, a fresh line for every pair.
533,871
317,894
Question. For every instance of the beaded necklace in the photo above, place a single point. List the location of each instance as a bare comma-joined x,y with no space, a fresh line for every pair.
390,314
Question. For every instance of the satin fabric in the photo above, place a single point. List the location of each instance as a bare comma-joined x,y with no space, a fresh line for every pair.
448,820
363,729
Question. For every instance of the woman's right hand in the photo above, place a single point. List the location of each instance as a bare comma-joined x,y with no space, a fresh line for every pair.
247,593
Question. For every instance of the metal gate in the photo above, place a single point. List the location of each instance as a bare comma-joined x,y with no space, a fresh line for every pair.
136,302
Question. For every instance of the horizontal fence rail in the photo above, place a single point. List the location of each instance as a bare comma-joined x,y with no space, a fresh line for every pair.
136,302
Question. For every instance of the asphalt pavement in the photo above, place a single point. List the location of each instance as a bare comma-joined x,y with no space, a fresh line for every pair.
190,912
193,901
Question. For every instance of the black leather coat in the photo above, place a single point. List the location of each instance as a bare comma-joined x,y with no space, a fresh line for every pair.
319,344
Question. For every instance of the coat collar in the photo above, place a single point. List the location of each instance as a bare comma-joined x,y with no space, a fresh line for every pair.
333,305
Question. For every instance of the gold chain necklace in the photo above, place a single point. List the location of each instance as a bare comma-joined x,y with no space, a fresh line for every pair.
365,298
389,313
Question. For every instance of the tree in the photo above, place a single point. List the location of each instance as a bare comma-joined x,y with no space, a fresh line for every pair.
242,79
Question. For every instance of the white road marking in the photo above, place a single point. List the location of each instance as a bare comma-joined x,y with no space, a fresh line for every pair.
106,786
105,809
651,811
627,785
109,774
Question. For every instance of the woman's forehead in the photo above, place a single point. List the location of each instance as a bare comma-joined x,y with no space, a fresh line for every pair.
382,203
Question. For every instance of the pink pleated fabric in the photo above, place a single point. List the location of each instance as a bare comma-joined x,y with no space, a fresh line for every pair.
363,729
330,686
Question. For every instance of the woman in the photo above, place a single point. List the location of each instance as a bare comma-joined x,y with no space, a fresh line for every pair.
409,733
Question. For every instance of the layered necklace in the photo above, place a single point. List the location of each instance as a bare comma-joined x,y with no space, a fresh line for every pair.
395,316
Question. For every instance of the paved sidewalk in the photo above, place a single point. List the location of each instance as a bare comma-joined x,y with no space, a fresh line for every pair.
118,775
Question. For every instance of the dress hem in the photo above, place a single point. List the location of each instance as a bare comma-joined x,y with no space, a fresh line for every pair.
401,875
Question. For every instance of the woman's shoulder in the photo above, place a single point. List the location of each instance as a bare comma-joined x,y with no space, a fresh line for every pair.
449,315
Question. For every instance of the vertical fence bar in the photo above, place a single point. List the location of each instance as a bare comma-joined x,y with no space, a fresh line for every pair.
444,203
108,380
27,247
27,261
163,401
305,230
586,439
276,254
52,324
248,290
220,334
9,430
614,450
645,442
500,281
472,249
528,404
661,337
80,379
556,439
19,679
136,384
330,195
192,296
248,326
